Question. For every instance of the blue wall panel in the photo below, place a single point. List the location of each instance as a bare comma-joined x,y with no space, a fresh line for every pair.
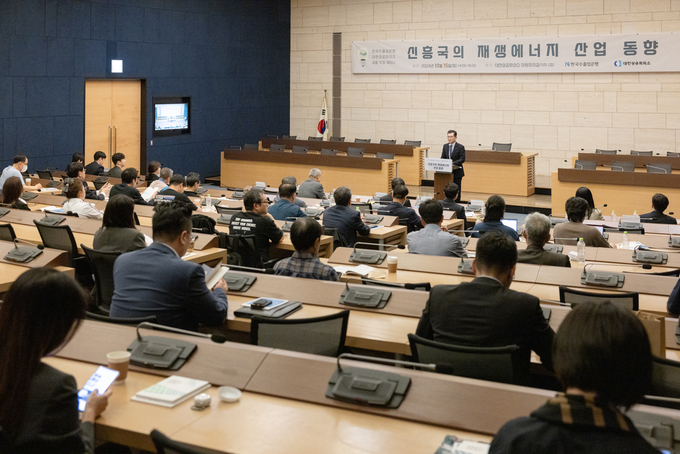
232,57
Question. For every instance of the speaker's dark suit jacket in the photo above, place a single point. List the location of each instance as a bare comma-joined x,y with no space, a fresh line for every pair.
536,255
458,158
154,281
657,217
483,313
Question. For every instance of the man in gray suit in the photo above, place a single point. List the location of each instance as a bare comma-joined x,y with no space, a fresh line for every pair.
537,233
312,188
432,240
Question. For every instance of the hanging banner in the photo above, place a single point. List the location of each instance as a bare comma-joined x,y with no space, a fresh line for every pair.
648,52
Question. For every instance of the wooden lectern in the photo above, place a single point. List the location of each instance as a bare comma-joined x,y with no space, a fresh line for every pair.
441,180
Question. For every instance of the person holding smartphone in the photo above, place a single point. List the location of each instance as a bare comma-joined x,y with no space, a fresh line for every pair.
38,403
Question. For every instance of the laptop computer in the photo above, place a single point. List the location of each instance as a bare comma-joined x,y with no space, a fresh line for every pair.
512,223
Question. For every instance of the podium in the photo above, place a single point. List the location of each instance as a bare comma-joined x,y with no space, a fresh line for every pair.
441,180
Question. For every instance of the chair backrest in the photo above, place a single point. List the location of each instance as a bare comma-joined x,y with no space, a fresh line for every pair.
7,232
102,267
327,152
337,139
665,377
165,445
134,321
388,142
659,168
235,147
674,273
277,147
585,165
599,151
413,143
271,136
300,150
289,137
499,364
363,207
338,239
672,154
356,152
251,146
362,140
641,153
244,247
640,231
319,335
404,221
318,139
58,237
501,146
627,300
44,174
623,166
385,155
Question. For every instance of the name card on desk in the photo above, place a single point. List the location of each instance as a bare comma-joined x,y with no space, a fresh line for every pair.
438,165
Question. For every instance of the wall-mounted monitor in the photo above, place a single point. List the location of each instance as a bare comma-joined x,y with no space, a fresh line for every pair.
171,116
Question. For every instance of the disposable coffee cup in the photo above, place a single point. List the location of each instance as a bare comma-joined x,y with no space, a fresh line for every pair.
392,264
28,181
119,361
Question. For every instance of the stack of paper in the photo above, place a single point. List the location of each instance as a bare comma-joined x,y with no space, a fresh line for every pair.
361,270
171,391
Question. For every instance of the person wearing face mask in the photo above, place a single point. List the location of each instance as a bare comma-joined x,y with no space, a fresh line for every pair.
19,165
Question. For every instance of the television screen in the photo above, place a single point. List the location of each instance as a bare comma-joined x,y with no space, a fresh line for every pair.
171,116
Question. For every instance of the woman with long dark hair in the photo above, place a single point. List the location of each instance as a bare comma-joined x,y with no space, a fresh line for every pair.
38,404
593,213
118,232
11,194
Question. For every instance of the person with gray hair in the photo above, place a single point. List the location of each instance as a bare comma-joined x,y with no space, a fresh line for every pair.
312,188
537,233
163,180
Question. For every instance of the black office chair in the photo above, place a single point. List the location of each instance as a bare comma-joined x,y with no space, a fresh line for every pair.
299,150
317,139
355,152
422,286
385,155
59,237
133,321
242,250
659,168
501,146
165,445
362,140
403,221
585,165
388,142
338,239
413,143
235,147
665,378
623,166
102,268
277,147
672,154
318,335
499,364
599,151
627,300
641,153
251,146
271,136
7,232
337,139
45,174
285,137
327,152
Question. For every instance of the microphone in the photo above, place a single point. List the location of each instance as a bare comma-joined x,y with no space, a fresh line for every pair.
578,164
602,206
465,267
23,254
18,240
218,338
603,278
615,167
656,167
389,362
657,258
372,298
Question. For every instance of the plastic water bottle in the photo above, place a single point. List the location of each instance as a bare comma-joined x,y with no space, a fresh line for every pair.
625,240
418,201
581,251
332,202
613,216
208,202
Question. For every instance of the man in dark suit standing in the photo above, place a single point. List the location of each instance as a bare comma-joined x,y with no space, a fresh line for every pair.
485,312
456,153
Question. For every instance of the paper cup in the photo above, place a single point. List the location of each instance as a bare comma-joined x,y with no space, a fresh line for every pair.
119,361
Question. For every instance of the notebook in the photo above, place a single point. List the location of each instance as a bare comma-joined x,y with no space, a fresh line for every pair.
172,391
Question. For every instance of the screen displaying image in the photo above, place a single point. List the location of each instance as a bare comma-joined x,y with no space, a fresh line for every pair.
512,223
172,116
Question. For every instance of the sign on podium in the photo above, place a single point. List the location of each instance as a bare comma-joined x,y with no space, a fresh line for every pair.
438,165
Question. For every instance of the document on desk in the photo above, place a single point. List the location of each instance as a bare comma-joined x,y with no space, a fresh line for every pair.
172,391
361,270
213,275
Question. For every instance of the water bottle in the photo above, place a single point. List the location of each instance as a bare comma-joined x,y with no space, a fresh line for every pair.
418,201
208,202
613,216
581,251
625,240
332,202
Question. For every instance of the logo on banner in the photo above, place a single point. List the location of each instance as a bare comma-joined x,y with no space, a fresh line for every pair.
363,54
617,63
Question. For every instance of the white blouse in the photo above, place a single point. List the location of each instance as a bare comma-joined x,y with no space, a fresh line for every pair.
83,209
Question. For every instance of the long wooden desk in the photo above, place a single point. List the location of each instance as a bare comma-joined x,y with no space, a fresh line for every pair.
500,172
411,159
362,175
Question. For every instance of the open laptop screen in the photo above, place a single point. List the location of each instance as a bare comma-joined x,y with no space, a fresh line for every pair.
512,223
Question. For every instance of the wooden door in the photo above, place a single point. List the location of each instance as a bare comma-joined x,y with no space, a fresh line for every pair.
113,120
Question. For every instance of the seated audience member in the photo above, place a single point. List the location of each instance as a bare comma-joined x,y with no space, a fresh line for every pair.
659,204
449,203
77,157
305,233
76,170
75,201
537,233
118,160
129,186
193,182
256,221
593,214
153,172
312,187
569,232
96,167
118,232
345,218
285,207
11,194
174,290
673,304
602,359
163,181
19,165
432,239
39,413
176,189
495,210
292,180
485,312
398,209
394,183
